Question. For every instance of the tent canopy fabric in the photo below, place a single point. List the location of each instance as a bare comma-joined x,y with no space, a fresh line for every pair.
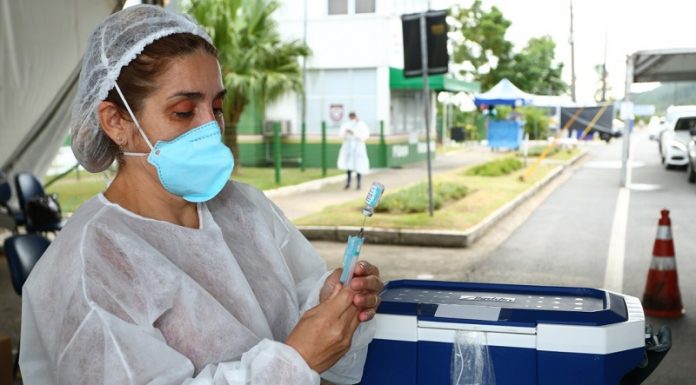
503,93
665,65
39,68
397,81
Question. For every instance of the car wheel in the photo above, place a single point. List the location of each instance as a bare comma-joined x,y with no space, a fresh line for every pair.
666,164
690,174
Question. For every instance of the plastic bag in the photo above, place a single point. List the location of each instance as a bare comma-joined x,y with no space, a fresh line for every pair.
471,361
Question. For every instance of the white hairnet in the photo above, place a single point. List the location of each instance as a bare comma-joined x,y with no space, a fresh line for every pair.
113,44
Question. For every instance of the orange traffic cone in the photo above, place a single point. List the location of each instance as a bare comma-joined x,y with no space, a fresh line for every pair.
661,297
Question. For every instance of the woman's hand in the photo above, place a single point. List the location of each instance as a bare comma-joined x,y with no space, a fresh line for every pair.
325,332
367,286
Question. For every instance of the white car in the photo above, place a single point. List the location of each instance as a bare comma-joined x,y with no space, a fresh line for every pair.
674,140
667,122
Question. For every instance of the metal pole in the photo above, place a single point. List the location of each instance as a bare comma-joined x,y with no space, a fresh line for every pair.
303,147
276,151
304,91
426,94
382,144
323,148
571,40
443,123
625,180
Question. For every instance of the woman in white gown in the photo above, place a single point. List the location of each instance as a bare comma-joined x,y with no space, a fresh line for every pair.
352,157
174,274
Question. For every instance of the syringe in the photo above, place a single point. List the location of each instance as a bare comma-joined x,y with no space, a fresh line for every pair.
352,251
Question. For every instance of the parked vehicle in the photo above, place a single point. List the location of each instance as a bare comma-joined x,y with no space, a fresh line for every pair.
667,124
615,132
674,141
691,155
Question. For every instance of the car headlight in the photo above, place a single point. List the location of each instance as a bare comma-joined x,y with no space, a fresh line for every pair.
678,146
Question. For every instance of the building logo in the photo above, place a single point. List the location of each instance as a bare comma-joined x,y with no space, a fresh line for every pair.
336,113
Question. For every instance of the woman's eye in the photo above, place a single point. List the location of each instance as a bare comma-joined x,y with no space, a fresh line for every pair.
184,114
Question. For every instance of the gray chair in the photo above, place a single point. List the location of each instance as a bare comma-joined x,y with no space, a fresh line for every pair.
12,217
28,188
22,252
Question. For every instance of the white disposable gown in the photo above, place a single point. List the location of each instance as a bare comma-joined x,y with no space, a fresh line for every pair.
353,153
122,299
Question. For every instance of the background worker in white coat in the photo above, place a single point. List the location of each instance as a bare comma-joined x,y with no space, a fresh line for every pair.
353,153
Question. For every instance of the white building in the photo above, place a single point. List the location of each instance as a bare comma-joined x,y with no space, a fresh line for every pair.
356,63
354,43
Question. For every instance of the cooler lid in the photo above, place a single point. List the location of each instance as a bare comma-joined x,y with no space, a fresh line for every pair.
485,303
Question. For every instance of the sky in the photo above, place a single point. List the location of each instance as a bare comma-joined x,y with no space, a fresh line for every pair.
626,26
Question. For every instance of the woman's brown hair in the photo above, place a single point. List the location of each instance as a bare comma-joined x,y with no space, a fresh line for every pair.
137,80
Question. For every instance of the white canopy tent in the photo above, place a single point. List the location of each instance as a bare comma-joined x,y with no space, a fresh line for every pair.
42,43
503,93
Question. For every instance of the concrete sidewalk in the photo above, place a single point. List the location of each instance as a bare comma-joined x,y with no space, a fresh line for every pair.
301,200
307,198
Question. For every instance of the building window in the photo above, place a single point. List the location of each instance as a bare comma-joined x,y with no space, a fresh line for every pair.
338,7
364,6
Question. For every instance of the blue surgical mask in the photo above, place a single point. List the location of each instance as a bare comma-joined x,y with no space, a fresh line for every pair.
195,165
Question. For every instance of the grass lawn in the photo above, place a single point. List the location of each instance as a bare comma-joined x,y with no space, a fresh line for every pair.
486,194
555,153
73,192
566,154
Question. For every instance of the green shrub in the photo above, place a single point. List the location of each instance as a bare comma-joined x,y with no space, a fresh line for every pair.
415,198
496,167
538,150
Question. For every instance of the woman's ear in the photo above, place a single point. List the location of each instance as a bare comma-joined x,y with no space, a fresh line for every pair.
113,123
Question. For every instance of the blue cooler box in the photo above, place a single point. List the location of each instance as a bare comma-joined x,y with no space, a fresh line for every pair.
535,334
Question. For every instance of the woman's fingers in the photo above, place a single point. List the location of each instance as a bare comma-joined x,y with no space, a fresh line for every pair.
370,283
366,301
341,301
366,268
367,315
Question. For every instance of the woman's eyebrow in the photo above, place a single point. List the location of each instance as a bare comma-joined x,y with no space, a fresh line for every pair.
196,95
188,95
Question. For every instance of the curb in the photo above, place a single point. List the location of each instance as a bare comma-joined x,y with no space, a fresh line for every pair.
439,238
314,185
303,187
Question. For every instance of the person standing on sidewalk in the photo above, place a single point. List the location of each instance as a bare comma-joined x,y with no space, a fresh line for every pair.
353,153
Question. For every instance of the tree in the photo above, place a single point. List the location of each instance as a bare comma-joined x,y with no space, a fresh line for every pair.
480,44
255,61
481,49
603,88
533,69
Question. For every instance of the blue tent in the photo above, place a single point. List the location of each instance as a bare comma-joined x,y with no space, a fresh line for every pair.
504,93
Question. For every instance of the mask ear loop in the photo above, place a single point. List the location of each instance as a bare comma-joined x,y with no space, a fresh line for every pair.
135,120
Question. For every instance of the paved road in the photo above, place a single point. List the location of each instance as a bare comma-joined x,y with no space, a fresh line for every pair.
562,237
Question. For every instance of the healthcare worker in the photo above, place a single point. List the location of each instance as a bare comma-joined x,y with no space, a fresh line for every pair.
174,275
353,153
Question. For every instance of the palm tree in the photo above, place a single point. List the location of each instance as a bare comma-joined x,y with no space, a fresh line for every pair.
255,61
